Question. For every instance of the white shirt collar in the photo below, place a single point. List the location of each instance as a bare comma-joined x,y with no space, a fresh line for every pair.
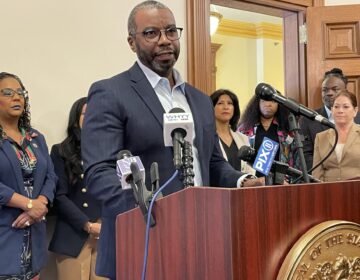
328,111
329,114
154,78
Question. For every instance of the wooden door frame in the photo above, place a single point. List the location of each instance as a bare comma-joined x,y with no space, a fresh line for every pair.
199,42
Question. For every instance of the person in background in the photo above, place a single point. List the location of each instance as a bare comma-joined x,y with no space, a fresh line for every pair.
77,228
126,112
227,115
264,118
27,185
344,162
334,81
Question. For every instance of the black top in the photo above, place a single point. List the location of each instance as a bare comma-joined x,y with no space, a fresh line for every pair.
270,133
231,153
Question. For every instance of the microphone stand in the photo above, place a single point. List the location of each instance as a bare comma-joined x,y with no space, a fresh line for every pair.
294,127
187,165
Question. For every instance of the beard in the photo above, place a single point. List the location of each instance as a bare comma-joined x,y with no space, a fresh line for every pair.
161,67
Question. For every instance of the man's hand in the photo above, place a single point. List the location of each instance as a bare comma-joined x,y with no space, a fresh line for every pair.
254,182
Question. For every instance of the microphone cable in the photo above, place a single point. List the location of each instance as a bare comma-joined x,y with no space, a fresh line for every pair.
321,161
147,233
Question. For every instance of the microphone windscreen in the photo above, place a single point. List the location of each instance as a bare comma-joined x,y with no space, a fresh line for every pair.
247,154
176,110
123,154
265,91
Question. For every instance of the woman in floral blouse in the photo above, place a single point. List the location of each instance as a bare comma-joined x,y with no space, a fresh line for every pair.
27,184
267,119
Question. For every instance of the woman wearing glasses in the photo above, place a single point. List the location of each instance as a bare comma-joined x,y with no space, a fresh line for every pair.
77,228
27,184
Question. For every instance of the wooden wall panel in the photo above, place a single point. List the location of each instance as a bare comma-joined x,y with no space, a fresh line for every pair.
353,86
341,40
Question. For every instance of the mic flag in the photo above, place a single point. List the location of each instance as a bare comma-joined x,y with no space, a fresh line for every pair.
123,170
178,126
265,156
175,120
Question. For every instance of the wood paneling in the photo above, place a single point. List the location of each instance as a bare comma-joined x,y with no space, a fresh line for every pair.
333,41
341,40
199,44
354,86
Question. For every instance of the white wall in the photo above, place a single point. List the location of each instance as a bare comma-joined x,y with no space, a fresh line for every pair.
58,48
341,2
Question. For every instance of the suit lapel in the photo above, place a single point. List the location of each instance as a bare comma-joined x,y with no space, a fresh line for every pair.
145,91
323,112
353,135
331,137
14,161
196,116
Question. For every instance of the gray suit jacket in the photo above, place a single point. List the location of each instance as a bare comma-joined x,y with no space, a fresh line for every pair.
349,165
124,112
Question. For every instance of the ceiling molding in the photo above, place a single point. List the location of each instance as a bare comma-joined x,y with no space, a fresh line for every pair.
250,30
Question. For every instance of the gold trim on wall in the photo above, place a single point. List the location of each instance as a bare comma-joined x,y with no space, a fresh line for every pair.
269,31
250,30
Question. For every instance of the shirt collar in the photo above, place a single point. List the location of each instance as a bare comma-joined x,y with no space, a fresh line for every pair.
328,111
154,78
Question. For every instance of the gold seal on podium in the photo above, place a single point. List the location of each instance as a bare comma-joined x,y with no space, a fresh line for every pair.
330,250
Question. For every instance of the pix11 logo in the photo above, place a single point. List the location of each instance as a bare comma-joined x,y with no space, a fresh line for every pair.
265,156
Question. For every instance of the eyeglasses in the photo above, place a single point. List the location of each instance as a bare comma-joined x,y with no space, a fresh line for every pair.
153,35
8,92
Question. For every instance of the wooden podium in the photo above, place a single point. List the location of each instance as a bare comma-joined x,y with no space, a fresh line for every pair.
222,234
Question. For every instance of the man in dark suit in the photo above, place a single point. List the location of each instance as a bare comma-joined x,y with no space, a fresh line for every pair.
334,81
126,112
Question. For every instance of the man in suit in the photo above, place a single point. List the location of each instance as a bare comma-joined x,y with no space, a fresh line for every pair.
126,112
334,81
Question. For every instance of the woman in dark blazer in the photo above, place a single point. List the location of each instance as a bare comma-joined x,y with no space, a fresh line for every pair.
27,185
77,228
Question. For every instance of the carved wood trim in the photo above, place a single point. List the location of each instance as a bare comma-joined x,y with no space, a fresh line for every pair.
199,44
341,40
353,85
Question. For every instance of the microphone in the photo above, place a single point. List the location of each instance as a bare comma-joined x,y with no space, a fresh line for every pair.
154,177
141,192
124,160
248,154
267,92
178,126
